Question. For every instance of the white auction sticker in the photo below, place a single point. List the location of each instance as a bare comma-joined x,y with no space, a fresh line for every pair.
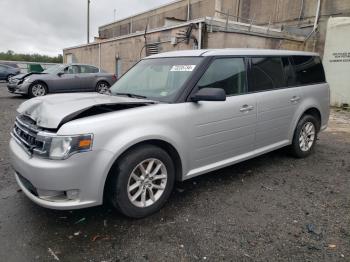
183,68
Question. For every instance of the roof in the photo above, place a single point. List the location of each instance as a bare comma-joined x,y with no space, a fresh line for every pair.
232,51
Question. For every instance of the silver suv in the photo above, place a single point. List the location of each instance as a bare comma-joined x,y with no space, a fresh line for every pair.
172,117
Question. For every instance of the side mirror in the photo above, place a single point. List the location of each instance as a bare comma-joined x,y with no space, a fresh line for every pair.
60,74
209,94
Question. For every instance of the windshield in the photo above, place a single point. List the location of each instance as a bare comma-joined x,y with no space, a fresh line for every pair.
158,79
54,69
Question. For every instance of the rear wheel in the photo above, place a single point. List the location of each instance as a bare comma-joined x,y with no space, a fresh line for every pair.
305,136
102,87
143,181
37,89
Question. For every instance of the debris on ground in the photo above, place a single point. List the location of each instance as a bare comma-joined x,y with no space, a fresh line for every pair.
94,238
55,257
311,228
77,233
80,220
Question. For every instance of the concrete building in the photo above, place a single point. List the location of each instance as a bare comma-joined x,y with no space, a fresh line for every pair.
193,24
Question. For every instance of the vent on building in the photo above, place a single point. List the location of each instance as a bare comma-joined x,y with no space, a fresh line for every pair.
152,49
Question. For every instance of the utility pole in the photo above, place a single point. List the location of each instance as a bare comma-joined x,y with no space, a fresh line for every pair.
88,21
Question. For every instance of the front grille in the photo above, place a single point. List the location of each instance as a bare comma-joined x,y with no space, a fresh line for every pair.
25,132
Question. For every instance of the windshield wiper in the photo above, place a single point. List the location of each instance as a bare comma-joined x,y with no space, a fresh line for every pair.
131,95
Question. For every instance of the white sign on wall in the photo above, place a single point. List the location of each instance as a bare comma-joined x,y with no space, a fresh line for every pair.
336,59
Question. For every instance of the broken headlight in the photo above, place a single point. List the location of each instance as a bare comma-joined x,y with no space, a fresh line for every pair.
62,147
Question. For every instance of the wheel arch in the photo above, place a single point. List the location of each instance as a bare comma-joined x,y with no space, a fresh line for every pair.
166,146
315,112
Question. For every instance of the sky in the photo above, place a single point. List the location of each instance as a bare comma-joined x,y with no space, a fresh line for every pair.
48,26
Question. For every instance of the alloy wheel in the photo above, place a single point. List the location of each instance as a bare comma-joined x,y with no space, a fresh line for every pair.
147,182
38,90
307,136
102,88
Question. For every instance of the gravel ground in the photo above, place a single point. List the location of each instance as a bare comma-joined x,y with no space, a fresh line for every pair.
272,208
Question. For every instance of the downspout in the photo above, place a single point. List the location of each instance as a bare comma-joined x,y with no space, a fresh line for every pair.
301,11
317,16
99,55
188,10
200,35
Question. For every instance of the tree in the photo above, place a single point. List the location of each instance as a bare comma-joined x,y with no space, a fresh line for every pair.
12,56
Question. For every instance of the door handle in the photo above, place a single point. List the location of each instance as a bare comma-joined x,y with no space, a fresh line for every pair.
295,99
246,108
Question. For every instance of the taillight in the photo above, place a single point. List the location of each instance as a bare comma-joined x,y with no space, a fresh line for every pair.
114,77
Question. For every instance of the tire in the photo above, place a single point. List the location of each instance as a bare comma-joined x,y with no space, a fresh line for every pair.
37,89
8,77
102,87
305,136
126,182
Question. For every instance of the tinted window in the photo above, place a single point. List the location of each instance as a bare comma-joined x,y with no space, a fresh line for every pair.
288,71
228,74
308,70
266,73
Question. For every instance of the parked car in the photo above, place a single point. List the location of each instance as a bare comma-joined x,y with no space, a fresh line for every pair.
62,79
6,72
173,116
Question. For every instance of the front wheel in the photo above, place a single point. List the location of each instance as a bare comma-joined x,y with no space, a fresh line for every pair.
9,77
305,136
37,89
143,181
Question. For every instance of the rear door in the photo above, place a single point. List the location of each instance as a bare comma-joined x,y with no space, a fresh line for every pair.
88,77
224,130
271,79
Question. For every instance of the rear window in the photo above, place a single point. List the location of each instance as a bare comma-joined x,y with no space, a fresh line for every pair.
308,70
267,73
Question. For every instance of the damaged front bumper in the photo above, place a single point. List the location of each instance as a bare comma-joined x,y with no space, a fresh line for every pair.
74,183
18,89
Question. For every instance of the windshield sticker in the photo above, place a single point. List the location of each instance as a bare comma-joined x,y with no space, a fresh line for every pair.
183,68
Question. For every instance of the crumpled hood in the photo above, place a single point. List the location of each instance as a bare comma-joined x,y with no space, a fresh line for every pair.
49,111
22,76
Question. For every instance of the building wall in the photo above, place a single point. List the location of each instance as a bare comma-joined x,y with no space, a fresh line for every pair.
126,52
282,13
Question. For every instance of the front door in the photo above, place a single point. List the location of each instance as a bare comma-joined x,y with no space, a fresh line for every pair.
225,130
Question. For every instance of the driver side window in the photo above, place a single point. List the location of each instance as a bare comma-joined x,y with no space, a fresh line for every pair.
226,73
73,69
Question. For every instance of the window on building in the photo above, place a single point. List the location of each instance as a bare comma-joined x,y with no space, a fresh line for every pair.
226,73
267,73
308,70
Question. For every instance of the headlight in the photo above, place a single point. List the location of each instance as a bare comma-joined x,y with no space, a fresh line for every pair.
62,147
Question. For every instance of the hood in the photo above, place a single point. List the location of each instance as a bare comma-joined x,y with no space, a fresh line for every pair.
53,111
22,76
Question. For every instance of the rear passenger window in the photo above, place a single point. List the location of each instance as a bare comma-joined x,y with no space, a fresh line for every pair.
308,70
267,73
226,73
88,69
